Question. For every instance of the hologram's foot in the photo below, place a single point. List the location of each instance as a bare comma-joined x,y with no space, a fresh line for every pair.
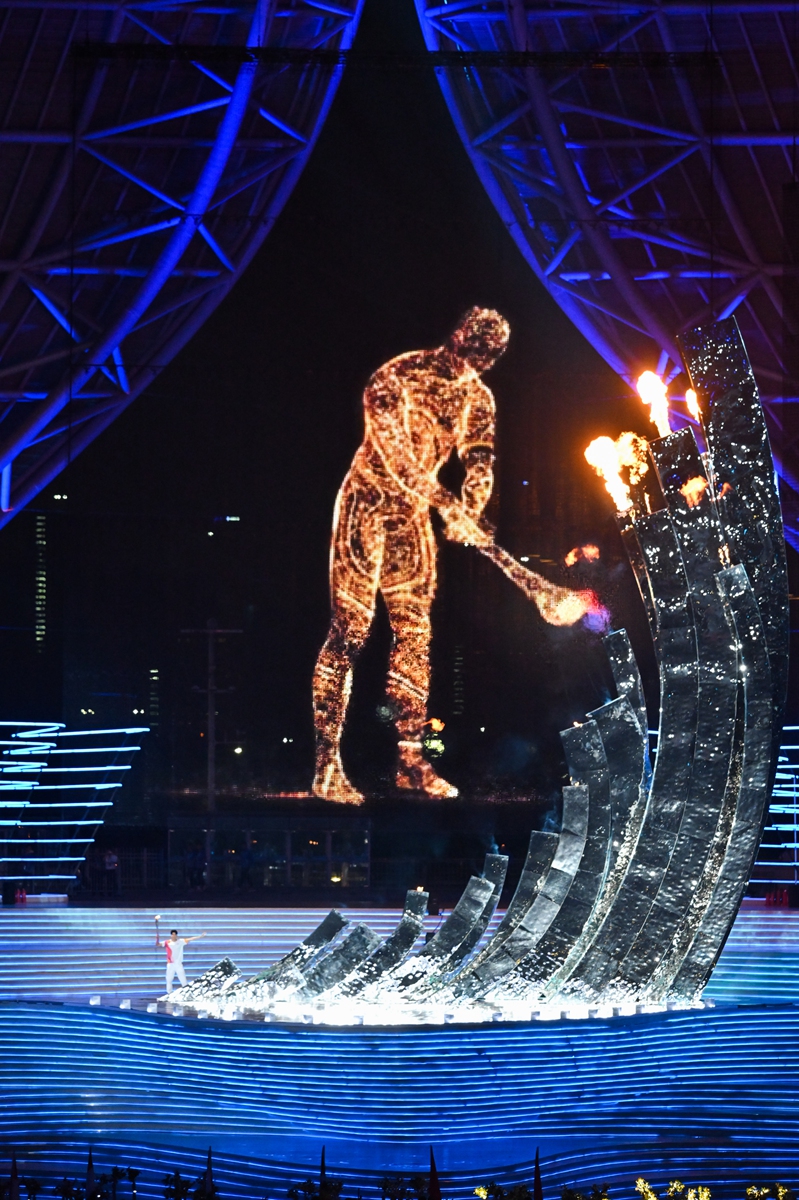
414,773
330,783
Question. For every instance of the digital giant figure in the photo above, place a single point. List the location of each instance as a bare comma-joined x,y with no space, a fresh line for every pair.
418,408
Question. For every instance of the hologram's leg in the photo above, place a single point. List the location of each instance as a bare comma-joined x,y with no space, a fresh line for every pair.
332,684
356,553
408,585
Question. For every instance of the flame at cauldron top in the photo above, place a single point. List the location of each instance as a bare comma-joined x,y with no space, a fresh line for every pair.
692,403
693,490
608,458
602,455
652,391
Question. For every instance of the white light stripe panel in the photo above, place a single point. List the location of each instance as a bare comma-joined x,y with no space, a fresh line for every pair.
112,950
63,950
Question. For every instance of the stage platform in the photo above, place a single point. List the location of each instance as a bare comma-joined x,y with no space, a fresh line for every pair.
709,1096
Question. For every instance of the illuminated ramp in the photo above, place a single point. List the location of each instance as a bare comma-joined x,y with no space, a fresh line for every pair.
138,181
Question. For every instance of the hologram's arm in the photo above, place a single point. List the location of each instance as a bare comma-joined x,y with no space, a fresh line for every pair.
476,450
384,406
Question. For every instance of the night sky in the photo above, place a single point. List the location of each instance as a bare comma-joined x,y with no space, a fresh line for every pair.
387,238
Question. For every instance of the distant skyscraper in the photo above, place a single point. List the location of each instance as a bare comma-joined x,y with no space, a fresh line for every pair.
40,592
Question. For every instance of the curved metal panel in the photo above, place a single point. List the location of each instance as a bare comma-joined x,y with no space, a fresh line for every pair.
393,949
669,791
302,956
588,766
353,948
713,785
544,909
734,857
461,931
748,498
625,751
495,869
540,853
626,676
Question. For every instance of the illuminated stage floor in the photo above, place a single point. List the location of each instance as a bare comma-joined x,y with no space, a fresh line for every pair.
711,1096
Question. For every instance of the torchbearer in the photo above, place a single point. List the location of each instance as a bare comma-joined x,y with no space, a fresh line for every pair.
174,947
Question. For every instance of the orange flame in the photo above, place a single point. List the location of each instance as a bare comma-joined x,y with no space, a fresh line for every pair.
692,402
436,724
602,455
726,488
693,490
590,553
652,391
631,453
608,458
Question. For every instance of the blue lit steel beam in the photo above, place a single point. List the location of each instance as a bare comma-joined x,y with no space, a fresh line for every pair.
645,198
173,179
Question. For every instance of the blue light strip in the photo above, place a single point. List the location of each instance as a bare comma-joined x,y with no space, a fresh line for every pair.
83,803
50,858
63,770
97,750
683,1077
72,787
768,869
56,841
23,849
88,733
61,824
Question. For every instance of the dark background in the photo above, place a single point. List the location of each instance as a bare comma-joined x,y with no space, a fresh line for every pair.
387,238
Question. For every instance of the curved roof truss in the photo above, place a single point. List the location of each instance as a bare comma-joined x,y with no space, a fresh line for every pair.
644,159
134,193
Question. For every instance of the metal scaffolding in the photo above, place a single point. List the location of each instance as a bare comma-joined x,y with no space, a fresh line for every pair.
644,161
134,193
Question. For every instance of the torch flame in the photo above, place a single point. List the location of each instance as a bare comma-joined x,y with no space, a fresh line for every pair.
692,402
693,490
589,552
602,455
652,391
631,453
579,606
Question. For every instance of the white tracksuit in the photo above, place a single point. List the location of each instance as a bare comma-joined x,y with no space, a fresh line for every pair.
174,961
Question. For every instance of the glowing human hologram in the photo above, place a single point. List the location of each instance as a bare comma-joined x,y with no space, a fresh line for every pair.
418,409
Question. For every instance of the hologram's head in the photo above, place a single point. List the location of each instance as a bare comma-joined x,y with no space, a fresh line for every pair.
480,338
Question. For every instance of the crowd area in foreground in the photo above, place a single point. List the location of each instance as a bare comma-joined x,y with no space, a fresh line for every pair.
121,1184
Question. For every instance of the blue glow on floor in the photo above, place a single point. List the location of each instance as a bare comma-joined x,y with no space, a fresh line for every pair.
712,1096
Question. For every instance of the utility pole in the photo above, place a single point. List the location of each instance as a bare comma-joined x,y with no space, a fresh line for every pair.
212,632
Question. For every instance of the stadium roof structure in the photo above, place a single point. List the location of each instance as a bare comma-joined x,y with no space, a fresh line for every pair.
643,155
148,147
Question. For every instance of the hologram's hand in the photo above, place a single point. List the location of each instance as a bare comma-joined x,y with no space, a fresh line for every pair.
460,527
